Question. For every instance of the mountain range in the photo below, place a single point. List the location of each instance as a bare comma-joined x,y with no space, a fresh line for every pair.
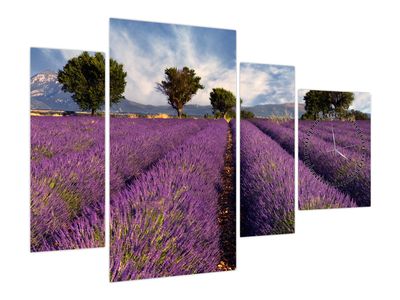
127,106
46,94
269,110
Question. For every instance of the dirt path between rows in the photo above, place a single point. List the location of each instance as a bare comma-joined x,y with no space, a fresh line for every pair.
227,210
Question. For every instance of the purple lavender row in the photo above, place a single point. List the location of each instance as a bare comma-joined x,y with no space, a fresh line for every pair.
52,136
137,125
267,184
350,141
137,144
166,222
288,124
65,184
86,231
284,136
314,193
341,128
350,178
350,175
345,125
232,124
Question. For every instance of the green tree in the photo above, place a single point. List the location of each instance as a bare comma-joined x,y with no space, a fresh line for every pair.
340,102
222,101
117,81
307,116
245,114
179,86
323,103
84,77
316,102
357,115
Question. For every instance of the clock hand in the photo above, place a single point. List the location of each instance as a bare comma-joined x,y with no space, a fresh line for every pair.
333,137
341,154
342,148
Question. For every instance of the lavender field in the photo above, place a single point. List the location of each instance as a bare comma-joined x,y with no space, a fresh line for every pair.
338,155
326,179
172,197
67,183
267,177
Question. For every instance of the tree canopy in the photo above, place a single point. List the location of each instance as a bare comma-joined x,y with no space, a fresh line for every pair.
357,115
117,81
179,86
84,77
222,101
323,103
245,114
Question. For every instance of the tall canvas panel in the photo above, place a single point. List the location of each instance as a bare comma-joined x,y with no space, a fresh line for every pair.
67,149
334,149
266,149
172,180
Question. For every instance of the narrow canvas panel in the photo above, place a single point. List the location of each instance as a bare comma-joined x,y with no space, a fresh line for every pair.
67,149
266,149
334,149
172,164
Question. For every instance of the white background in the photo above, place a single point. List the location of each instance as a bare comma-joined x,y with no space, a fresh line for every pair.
335,254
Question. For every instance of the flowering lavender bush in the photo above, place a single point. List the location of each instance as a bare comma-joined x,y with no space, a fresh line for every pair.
282,133
345,134
136,144
67,183
267,184
314,193
331,182
165,221
349,172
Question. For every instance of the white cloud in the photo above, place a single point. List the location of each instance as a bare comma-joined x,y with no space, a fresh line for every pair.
266,84
301,94
145,65
362,102
253,82
68,54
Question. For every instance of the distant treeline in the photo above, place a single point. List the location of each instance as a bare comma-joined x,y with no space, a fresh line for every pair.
84,77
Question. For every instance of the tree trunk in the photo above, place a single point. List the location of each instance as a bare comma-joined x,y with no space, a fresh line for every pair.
180,111
93,110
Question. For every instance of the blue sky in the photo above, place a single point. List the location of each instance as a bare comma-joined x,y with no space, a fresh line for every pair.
362,100
46,59
266,84
146,49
